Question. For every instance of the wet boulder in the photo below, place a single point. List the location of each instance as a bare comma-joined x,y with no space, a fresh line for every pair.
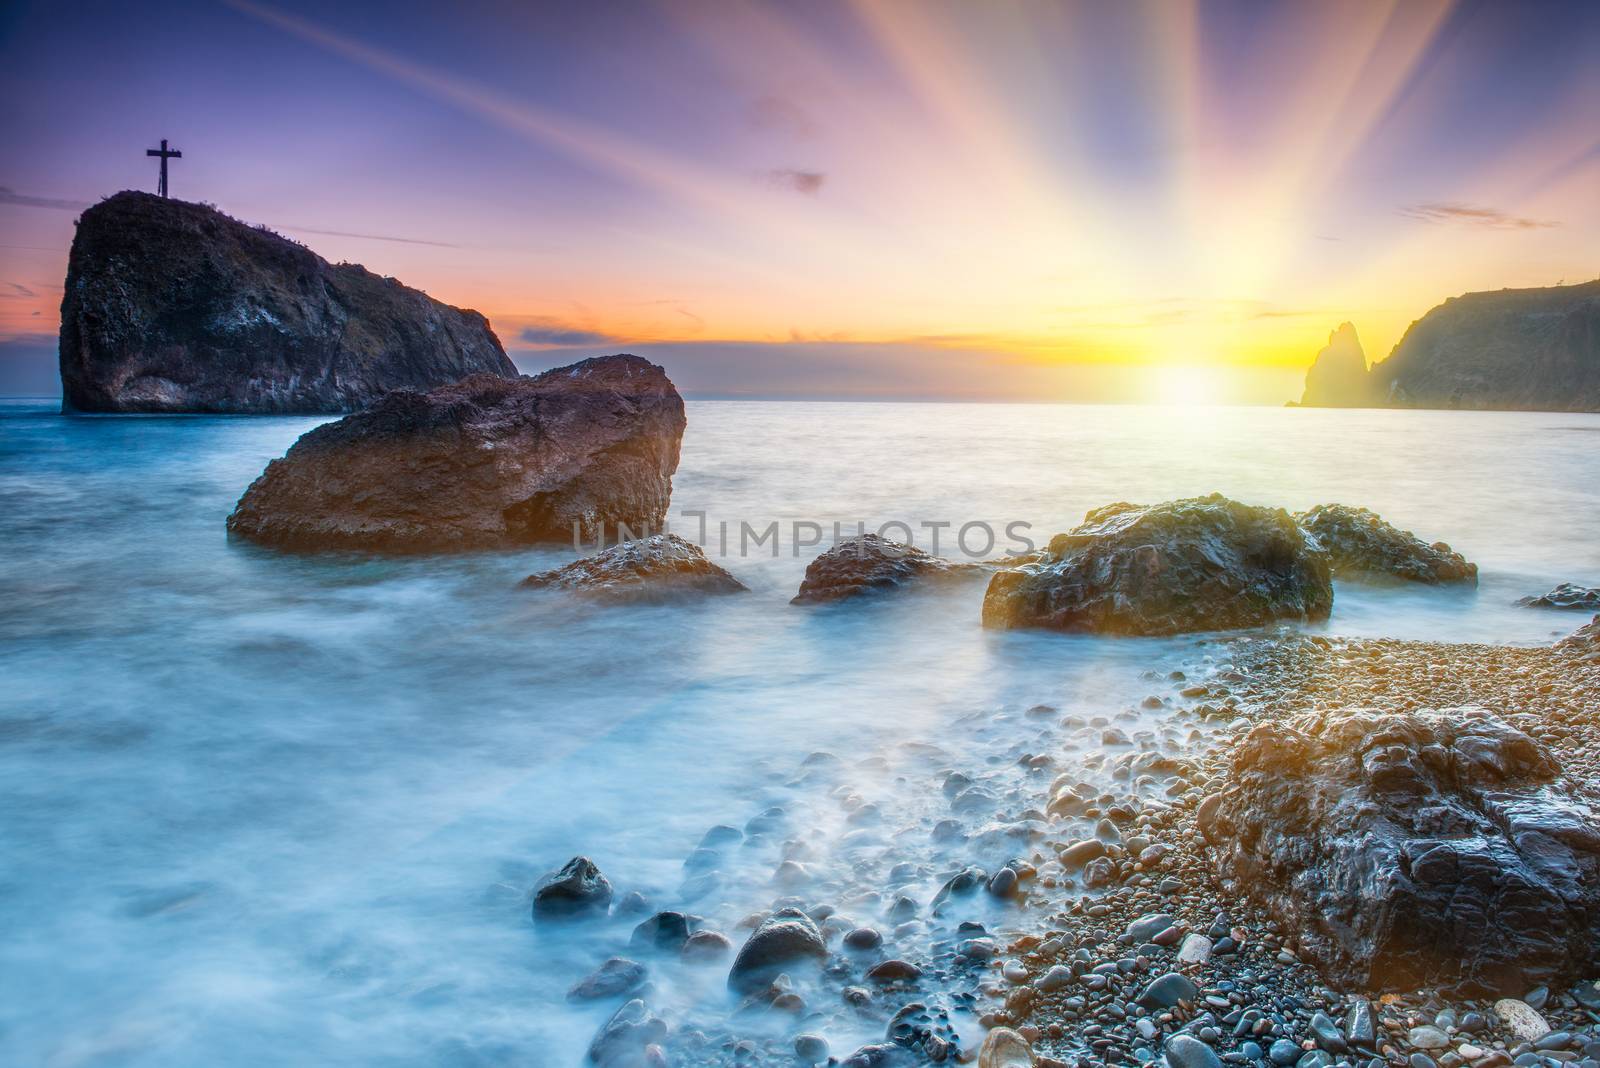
621,1040
1204,563
1568,595
1414,849
786,938
482,463
662,567
869,564
1362,547
579,888
615,977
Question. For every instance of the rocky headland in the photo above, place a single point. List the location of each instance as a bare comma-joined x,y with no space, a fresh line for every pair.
175,307
1510,349
483,463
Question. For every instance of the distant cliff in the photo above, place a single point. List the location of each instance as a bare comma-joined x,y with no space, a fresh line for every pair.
1512,349
1338,377
175,307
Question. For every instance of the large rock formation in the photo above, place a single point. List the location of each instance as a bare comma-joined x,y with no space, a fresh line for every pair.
484,462
661,567
869,563
175,307
1412,849
1338,376
1510,349
1362,547
1205,563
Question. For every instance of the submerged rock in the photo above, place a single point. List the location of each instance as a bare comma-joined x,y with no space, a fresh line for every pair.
621,1041
482,463
1205,563
1362,547
1568,595
868,564
658,568
616,976
174,307
1413,849
787,937
578,888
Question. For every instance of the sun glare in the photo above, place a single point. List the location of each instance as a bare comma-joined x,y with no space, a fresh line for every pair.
1184,386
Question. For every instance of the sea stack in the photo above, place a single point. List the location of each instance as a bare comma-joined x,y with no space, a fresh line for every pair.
175,307
487,462
1338,376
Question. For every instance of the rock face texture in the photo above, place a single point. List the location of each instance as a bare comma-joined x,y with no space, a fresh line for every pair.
1204,563
1585,639
1361,547
482,463
661,567
868,564
175,307
1568,595
1414,849
1515,349
1338,376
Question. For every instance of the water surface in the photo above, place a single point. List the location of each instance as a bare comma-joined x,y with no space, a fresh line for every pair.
261,809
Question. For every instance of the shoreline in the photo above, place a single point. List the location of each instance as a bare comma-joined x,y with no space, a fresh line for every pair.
1069,987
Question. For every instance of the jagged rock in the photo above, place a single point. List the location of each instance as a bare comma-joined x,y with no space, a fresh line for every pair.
1338,376
1568,595
658,568
867,564
787,937
579,887
1362,547
621,1041
1205,563
1514,349
1412,849
175,307
484,462
1585,639
616,976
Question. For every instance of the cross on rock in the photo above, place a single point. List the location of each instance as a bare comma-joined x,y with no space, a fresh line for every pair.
165,153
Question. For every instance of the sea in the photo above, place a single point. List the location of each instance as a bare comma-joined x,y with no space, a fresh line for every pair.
266,809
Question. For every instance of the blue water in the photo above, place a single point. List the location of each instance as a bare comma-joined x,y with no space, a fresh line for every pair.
260,809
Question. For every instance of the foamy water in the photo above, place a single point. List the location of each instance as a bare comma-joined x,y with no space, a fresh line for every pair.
261,809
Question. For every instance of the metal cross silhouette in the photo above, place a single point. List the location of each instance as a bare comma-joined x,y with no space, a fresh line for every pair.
165,153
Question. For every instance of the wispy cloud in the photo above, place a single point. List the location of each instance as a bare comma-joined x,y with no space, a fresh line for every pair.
16,291
553,332
23,200
363,237
1473,215
807,182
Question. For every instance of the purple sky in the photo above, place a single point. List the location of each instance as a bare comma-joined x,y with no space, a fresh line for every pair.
1044,201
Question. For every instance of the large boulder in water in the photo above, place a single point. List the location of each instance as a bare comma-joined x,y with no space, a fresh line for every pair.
661,567
1205,563
785,938
1362,547
175,307
1413,849
484,462
578,888
871,563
